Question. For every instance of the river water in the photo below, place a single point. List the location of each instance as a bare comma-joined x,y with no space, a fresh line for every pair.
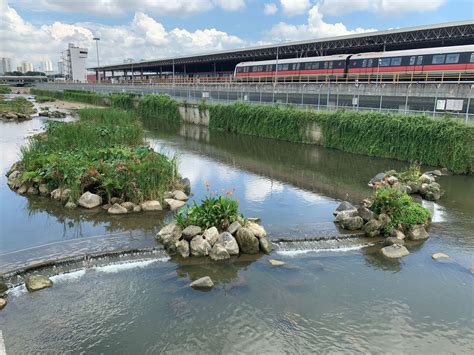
333,295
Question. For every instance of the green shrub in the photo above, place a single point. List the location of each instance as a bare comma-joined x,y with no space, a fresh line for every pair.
40,98
411,174
5,90
213,211
124,101
160,107
400,207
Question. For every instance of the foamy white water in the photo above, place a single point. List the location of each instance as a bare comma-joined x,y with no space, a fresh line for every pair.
112,268
68,276
292,253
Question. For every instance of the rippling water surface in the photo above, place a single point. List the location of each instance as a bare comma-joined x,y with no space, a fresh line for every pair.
333,295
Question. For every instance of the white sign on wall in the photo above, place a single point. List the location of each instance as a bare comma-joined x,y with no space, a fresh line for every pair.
205,94
454,105
440,105
354,101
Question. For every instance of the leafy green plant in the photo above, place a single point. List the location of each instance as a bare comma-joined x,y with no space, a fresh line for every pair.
400,207
5,90
218,211
412,173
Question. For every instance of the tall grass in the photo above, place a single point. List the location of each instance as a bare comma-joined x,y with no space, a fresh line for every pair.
159,107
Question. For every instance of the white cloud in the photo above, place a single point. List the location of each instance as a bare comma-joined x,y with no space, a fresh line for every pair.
144,37
314,28
270,9
384,7
294,7
181,8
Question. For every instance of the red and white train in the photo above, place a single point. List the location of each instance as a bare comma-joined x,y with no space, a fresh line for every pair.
445,62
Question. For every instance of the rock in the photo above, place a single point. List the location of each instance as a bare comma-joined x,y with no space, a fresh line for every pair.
169,235
247,241
274,262
32,191
417,232
211,235
182,246
3,303
431,191
200,246
89,200
10,116
70,205
254,220
128,205
440,256
150,206
377,179
43,190
203,282
61,195
229,243
190,232
394,251
345,214
414,186
256,229
265,245
115,200
56,194
174,204
395,233
393,241
234,227
22,189
3,287
352,223
218,252
106,206
384,220
343,206
180,195
117,209
372,228
186,184
365,213
392,180
426,179
37,282
137,208
434,173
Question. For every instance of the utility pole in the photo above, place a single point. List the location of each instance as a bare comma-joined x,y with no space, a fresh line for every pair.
97,39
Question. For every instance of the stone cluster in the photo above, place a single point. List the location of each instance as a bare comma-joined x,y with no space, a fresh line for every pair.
52,114
14,116
244,236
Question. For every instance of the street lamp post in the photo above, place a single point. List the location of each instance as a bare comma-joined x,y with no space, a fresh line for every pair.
97,39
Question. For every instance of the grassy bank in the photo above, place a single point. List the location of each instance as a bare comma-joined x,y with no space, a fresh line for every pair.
17,105
438,142
159,107
103,153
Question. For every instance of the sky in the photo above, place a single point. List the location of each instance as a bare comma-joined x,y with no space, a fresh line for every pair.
38,30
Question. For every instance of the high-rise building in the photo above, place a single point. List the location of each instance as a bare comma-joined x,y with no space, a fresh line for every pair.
5,65
61,67
46,66
74,59
26,67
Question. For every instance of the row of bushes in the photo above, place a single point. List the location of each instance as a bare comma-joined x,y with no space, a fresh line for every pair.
437,142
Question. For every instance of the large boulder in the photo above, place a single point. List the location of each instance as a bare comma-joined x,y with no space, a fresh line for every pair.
365,213
395,233
182,247
89,200
190,232
247,241
180,195
211,235
3,303
234,227
345,214
151,206
229,243
377,179
169,235
37,282
384,219
417,232
61,195
431,191
218,252
203,282
392,241
394,251
256,229
352,223
173,204
343,206
117,209
265,245
43,190
200,246
372,228
32,190
426,179
128,205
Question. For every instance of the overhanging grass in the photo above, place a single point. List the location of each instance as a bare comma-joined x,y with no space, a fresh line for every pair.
17,105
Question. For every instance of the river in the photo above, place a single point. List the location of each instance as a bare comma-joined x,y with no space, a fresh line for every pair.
334,295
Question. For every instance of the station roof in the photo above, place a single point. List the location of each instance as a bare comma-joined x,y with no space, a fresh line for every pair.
436,35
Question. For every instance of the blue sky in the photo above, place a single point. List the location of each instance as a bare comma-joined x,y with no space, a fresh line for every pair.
39,30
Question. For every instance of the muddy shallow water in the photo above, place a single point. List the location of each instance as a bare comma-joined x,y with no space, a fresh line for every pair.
332,296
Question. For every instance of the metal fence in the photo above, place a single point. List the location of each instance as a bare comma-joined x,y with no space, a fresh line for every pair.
436,101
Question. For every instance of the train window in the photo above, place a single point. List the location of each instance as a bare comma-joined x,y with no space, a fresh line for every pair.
385,62
330,65
419,60
472,58
452,58
396,61
282,67
326,65
315,65
412,60
438,59
364,63
371,61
